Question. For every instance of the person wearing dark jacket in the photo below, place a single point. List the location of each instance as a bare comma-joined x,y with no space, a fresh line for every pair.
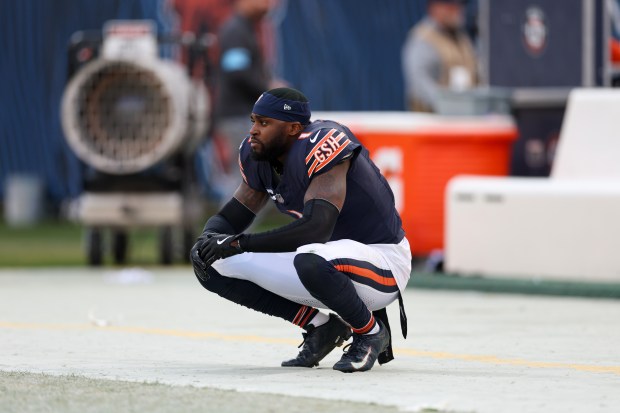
243,76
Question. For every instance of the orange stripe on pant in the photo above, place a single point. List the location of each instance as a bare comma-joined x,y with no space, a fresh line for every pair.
364,272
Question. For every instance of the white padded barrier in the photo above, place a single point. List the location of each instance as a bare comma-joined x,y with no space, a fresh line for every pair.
130,209
589,146
533,228
563,227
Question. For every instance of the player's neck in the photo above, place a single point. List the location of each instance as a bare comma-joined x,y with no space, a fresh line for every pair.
277,166
289,145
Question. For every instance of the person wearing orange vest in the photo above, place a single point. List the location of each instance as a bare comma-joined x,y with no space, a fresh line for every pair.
438,54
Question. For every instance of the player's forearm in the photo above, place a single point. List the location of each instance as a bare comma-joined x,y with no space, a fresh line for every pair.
315,226
233,218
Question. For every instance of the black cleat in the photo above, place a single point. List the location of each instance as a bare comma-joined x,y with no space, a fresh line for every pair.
364,350
320,341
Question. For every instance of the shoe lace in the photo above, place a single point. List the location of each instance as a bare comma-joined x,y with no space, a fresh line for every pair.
305,336
354,347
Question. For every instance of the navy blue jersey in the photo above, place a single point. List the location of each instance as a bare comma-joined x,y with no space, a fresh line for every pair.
368,214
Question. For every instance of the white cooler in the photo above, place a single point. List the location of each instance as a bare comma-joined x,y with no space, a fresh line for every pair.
564,227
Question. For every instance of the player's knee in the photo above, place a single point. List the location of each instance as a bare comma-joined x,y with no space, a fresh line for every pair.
210,282
310,268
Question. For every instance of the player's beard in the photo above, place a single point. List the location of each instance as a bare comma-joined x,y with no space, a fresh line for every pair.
270,152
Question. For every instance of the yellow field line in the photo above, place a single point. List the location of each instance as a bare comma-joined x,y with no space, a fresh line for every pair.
486,359
151,331
510,362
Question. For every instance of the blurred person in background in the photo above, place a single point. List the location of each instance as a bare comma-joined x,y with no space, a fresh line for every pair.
243,76
614,41
438,54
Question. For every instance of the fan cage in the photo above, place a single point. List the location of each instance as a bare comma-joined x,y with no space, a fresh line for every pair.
123,117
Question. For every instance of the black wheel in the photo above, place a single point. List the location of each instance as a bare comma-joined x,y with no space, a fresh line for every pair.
189,240
165,246
94,246
120,241
434,262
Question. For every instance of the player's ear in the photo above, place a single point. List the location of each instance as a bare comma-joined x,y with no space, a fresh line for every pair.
295,128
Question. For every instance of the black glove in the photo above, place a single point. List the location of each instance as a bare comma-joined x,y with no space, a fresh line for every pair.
216,246
200,268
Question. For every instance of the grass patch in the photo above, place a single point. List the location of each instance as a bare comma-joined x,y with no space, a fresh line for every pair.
58,243
50,243
61,244
538,286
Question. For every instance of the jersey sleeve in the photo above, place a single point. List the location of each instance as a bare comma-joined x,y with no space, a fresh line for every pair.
248,168
327,148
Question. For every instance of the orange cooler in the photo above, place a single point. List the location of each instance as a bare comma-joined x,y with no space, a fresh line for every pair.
420,153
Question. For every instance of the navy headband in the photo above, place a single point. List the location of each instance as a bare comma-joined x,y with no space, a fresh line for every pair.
282,109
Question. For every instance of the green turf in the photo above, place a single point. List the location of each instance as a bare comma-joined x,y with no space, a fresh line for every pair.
60,244
515,286
46,244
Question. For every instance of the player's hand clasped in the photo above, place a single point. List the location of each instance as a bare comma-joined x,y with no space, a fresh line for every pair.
211,247
217,246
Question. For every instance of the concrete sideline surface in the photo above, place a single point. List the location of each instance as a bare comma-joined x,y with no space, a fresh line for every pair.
466,351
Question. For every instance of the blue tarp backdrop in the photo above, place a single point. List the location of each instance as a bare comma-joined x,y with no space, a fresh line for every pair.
344,54
34,35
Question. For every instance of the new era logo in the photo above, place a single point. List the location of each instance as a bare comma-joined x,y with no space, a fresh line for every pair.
287,107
